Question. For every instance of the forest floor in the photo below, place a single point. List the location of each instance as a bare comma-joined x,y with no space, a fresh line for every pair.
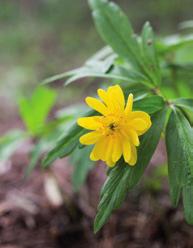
31,215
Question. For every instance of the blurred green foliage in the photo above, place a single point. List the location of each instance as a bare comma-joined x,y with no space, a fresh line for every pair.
40,38
34,111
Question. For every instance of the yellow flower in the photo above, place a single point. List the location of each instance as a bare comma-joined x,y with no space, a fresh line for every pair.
115,132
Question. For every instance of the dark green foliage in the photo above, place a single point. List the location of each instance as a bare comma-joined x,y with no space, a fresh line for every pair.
149,104
116,30
65,145
179,141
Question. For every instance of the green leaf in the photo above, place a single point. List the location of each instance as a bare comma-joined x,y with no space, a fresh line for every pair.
82,165
66,144
115,29
100,67
88,71
179,143
149,54
52,133
149,104
187,194
129,75
35,155
85,72
97,66
186,24
122,177
35,110
59,76
10,142
184,103
138,90
174,42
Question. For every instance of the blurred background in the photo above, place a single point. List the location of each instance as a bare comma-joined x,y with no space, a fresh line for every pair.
40,38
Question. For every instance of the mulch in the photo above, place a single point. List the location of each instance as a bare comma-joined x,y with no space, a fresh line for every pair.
31,217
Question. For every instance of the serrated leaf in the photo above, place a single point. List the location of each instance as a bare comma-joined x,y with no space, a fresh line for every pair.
122,178
115,29
179,143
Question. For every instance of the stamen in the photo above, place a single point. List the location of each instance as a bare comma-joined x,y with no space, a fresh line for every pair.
112,126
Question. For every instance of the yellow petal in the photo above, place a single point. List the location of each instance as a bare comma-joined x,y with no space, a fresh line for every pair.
139,114
99,148
96,105
107,99
126,151
138,124
92,156
116,96
90,138
117,150
103,95
133,159
108,149
140,121
91,123
129,105
134,137
110,163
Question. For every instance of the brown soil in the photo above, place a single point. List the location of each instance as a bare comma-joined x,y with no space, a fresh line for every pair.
31,217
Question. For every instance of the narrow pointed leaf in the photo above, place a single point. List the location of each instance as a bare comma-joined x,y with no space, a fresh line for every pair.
64,146
179,142
149,54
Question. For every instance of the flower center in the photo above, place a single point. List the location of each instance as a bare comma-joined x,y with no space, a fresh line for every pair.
112,126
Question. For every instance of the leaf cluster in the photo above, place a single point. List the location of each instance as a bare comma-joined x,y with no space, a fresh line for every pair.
149,67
